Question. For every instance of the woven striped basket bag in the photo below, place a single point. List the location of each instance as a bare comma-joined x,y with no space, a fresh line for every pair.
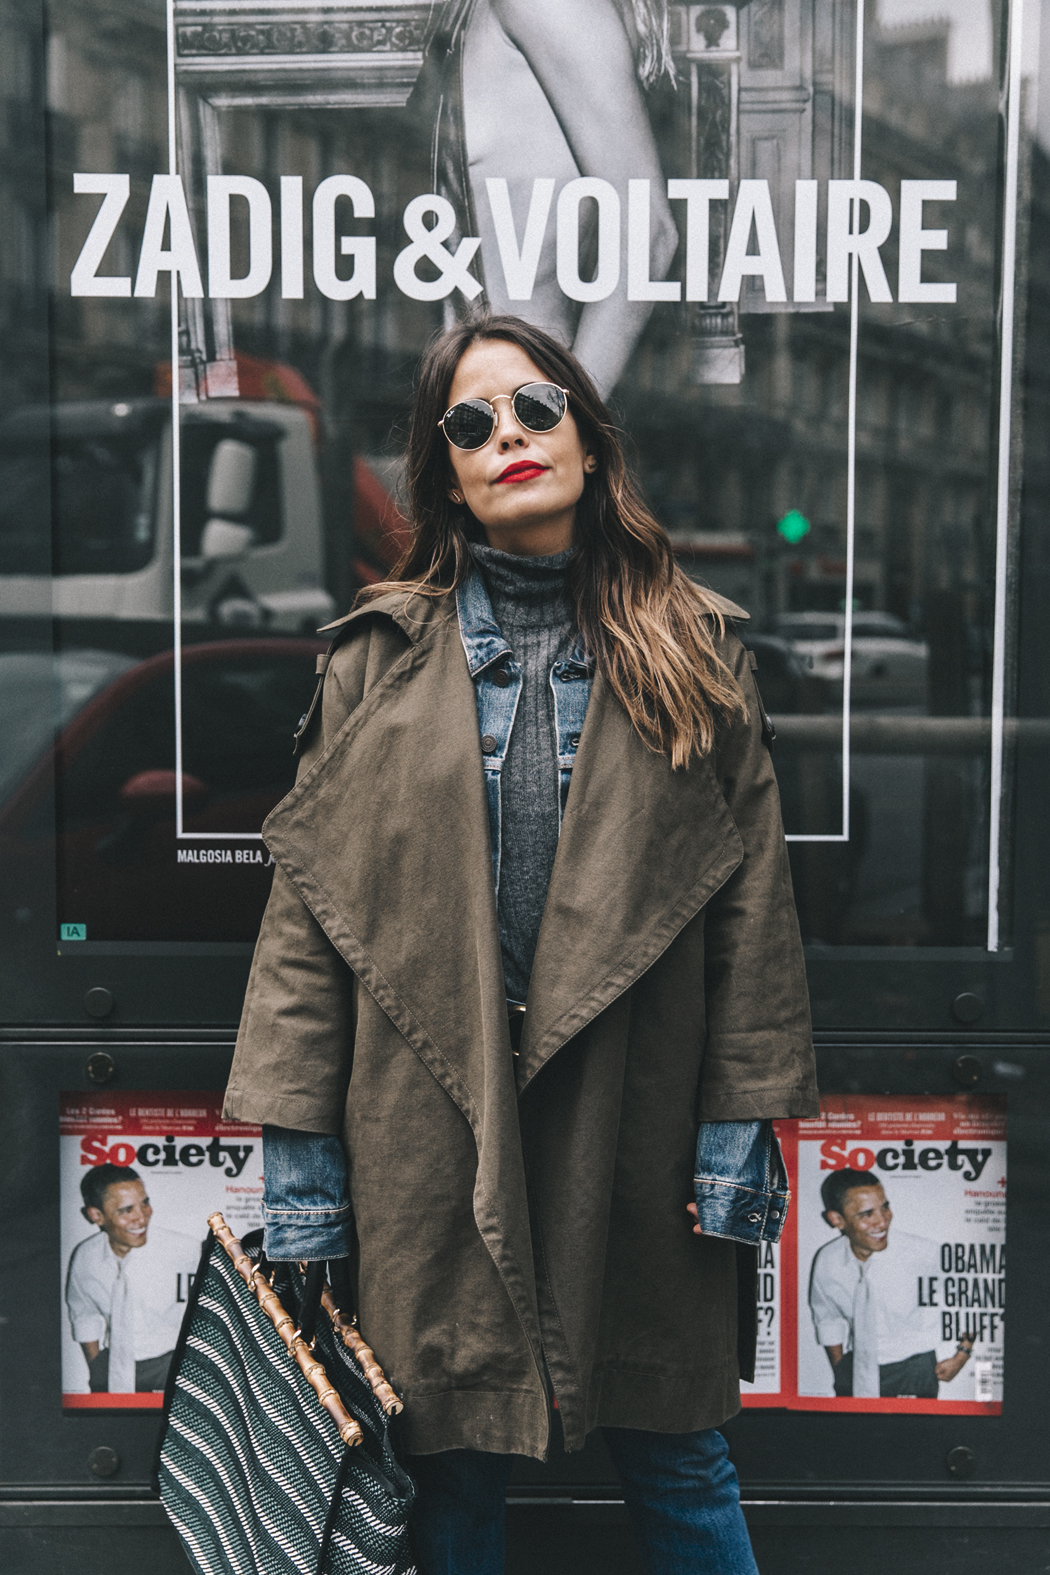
275,1456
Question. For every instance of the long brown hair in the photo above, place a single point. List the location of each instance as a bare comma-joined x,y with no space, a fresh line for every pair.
649,628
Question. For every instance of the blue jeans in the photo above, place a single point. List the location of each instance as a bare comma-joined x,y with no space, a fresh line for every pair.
680,1489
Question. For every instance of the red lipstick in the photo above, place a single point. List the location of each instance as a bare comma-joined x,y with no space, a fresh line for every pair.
524,470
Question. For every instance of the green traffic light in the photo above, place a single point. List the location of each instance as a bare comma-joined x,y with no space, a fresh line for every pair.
793,527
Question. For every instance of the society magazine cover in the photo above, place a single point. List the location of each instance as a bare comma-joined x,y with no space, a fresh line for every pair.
140,1173
888,1290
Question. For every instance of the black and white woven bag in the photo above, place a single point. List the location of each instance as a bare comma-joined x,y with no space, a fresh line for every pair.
252,1468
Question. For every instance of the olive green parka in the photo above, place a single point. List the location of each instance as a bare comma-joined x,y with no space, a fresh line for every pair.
517,1216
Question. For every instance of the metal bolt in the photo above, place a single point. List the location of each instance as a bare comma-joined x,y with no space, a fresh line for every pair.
967,1070
99,1002
101,1067
960,1461
103,1461
967,1007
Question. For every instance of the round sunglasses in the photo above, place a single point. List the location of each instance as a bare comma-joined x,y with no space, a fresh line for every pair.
538,407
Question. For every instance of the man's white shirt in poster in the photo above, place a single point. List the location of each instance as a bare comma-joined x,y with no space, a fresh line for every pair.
905,1327
133,1305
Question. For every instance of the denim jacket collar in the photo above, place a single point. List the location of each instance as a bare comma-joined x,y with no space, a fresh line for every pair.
486,648
483,640
482,637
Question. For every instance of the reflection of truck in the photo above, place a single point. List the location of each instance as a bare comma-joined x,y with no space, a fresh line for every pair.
88,534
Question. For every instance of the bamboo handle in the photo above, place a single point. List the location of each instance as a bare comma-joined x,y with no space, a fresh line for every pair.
311,1369
363,1354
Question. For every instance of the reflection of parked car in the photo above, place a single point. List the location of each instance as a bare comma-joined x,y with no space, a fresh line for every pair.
889,661
99,806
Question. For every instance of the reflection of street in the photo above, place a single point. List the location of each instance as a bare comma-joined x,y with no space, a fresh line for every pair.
887,899
910,874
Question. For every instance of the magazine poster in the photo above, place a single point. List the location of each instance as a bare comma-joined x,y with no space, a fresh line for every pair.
139,1174
890,1284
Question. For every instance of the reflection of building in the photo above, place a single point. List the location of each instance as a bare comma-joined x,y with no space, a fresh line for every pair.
284,57
106,110
924,384
764,95
23,231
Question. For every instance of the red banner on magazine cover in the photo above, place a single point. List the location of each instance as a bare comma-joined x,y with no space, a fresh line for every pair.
139,1175
888,1289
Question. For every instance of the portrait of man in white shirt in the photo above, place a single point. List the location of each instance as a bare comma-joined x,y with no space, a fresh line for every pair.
126,1285
864,1297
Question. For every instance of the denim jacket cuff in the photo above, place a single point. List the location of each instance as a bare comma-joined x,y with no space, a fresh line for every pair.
306,1234
306,1201
741,1198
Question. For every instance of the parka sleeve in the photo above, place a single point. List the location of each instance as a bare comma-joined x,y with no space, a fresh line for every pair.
291,1066
758,1058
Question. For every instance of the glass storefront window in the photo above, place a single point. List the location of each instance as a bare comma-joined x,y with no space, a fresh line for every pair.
809,309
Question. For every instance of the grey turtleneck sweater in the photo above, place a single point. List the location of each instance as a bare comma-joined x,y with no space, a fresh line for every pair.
532,606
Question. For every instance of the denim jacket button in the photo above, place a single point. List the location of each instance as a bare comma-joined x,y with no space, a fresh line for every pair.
774,1214
488,744
501,678
574,741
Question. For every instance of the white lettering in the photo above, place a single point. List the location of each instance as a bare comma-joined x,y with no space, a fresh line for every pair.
362,248
520,264
753,204
221,283
167,202
221,856
914,240
698,196
607,273
292,237
846,238
805,281
639,285
427,242
84,280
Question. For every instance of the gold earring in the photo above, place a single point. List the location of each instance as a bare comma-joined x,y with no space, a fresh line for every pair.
456,497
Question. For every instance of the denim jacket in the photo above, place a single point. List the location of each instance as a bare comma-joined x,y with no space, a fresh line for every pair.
740,1185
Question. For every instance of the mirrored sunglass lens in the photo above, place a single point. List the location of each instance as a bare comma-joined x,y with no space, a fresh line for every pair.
539,406
469,424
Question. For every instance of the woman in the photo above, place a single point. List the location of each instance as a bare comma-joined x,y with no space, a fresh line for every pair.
536,776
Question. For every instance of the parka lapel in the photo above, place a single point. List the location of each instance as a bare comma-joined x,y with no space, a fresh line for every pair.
386,839
642,849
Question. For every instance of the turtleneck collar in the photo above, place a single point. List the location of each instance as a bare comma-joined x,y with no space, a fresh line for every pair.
534,591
